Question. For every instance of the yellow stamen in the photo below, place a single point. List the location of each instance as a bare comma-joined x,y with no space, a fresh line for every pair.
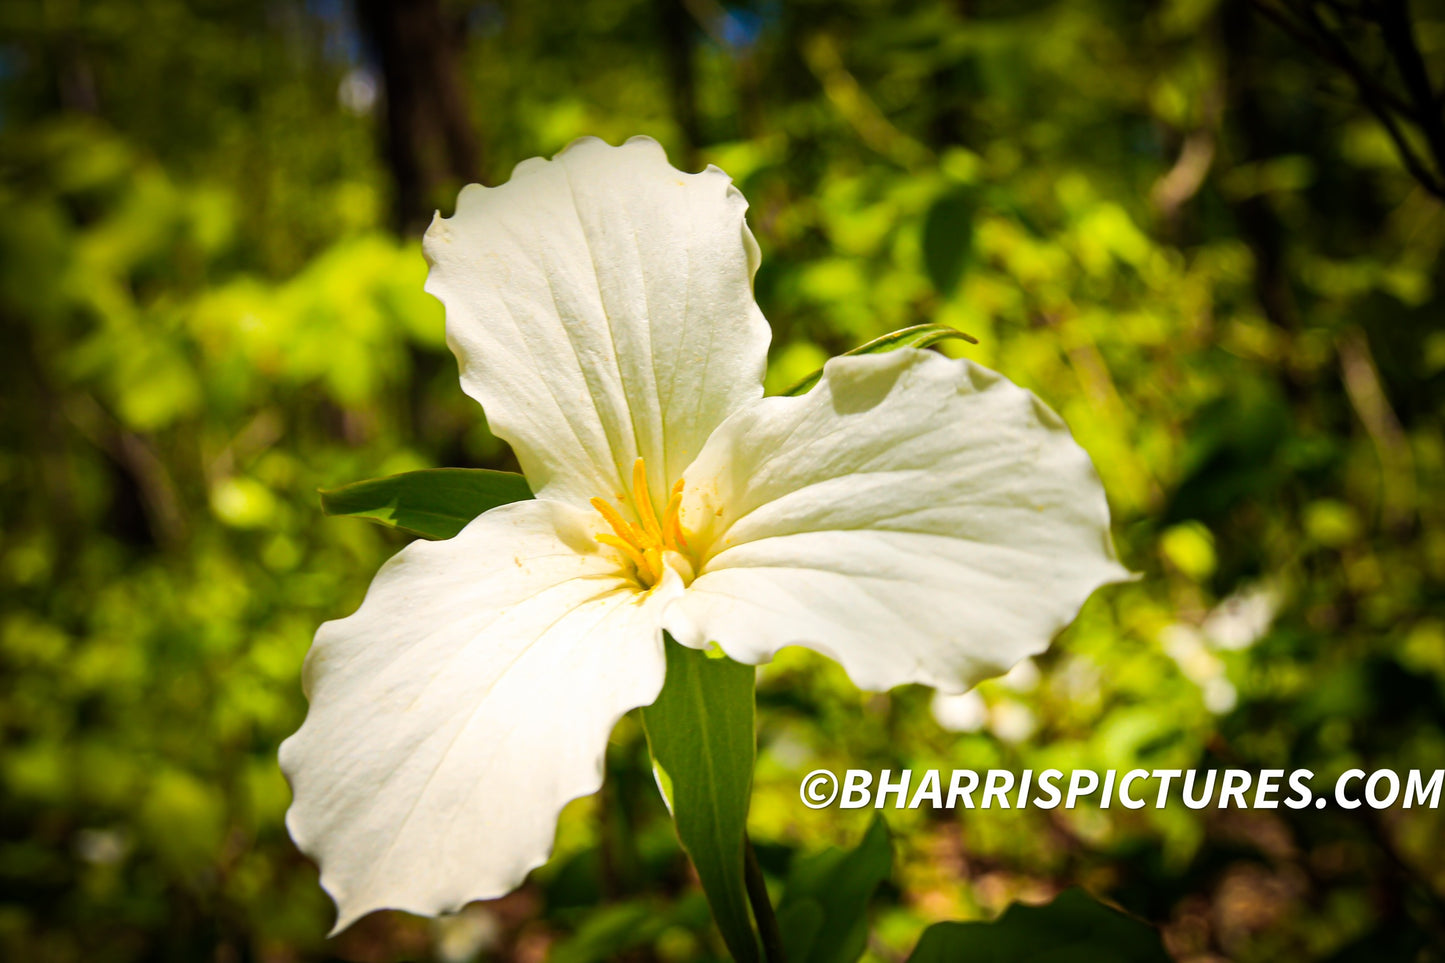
654,564
643,498
646,541
636,556
625,531
672,518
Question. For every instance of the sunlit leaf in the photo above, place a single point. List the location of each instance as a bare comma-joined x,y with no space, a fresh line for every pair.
433,502
918,336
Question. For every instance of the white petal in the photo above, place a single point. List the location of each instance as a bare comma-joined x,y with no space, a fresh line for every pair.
468,699
916,518
601,307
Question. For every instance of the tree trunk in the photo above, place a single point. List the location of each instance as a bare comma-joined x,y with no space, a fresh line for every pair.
430,145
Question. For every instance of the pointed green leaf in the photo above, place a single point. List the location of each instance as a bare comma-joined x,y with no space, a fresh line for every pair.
1074,928
824,910
918,336
700,731
434,502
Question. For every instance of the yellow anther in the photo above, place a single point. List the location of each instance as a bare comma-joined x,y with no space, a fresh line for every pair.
672,519
643,498
625,531
627,548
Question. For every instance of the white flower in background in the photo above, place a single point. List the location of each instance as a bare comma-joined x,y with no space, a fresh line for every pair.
959,711
1012,721
1188,647
1243,618
916,518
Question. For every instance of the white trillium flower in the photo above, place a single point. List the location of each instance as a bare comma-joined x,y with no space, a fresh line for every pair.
916,518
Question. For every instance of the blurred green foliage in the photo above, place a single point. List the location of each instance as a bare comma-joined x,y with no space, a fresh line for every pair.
1168,218
1072,927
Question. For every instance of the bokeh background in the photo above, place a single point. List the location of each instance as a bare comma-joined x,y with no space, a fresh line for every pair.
1208,232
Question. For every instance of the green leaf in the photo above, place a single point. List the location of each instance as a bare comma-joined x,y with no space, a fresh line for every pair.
433,503
824,910
1074,928
700,731
918,336
948,239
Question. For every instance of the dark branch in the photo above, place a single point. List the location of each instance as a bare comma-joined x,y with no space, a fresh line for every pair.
1387,106
1399,35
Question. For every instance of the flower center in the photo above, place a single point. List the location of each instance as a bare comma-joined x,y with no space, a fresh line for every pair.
646,544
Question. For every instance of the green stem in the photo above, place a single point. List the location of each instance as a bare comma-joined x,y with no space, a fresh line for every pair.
762,906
